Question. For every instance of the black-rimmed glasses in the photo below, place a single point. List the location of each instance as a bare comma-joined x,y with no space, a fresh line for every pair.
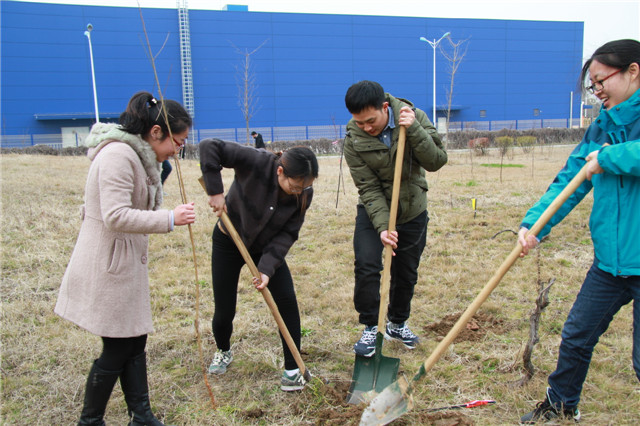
297,189
599,85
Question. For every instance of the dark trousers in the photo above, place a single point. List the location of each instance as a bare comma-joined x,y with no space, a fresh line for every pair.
600,298
116,351
166,171
226,263
412,238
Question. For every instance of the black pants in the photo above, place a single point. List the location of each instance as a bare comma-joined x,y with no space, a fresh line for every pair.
412,238
226,263
117,350
166,171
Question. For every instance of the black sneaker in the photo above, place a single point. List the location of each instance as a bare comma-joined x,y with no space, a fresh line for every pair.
366,346
402,333
545,411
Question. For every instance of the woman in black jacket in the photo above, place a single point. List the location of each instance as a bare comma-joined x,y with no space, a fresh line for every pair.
266,203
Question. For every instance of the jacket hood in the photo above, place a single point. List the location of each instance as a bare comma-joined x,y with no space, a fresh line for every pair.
104,133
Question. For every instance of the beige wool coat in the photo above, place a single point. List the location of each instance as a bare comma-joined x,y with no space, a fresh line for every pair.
105,288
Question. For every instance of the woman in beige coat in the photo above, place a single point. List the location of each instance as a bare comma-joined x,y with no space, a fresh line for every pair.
105,288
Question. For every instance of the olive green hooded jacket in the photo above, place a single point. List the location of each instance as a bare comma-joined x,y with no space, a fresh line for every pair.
371,164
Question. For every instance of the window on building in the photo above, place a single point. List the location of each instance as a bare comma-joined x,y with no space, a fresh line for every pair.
483,113
536,112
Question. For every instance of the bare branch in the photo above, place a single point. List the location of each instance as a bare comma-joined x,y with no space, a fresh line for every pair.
166,39
247,86
183,195
454,55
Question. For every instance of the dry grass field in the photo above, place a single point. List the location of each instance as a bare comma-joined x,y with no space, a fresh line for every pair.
45,359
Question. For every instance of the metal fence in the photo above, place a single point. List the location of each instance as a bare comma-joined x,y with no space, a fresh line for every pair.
23,141
562,123
295,133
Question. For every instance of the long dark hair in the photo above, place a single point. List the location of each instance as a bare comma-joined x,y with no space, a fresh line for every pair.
299,162
616,54
144,111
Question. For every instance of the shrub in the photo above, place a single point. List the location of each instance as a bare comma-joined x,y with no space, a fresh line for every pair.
504,143
526,143
479,145
548,136
318,146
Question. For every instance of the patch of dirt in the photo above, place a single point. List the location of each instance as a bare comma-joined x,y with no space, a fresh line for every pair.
254,413
325,401
433,419
474,331
337,411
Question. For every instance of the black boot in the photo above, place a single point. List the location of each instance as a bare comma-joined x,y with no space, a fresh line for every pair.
96,395
136,392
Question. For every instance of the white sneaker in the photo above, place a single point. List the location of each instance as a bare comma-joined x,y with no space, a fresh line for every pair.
221,361
292,383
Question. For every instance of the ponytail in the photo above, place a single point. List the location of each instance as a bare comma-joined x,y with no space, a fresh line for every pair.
144,111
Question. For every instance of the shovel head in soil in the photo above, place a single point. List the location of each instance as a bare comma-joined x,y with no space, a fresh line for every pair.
389,404
372,374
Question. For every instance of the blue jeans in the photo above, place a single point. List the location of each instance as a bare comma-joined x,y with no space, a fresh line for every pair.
412,238
600,298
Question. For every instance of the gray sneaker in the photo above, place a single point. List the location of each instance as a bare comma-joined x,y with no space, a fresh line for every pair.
292,383
402,333
366,346
221,361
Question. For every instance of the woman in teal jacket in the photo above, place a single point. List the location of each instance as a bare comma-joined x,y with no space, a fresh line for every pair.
611,150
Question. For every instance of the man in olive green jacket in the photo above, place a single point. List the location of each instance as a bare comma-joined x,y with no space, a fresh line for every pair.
370,149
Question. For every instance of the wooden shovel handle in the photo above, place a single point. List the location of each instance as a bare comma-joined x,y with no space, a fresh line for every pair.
502,270
393,213
266,294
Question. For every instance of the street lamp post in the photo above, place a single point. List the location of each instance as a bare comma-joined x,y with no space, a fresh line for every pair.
434,44
93,74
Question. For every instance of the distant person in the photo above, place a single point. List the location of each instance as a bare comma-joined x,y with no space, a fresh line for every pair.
259,142
612,74
267,203
105,289
370,151
166,171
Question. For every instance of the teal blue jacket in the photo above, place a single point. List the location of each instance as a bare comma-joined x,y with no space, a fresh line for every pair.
615,216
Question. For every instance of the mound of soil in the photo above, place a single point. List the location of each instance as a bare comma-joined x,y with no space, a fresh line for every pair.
433,419
337,411
474,331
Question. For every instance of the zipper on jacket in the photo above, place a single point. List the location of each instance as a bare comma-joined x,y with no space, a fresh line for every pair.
620,137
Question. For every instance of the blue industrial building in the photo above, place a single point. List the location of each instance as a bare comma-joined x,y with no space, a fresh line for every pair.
512,70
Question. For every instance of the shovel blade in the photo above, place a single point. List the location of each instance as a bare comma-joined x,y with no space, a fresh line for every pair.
391,403
371,374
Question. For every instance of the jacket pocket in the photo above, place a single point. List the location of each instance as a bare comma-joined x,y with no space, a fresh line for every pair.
117,256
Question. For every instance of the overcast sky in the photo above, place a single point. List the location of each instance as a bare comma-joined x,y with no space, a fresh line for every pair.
604,20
